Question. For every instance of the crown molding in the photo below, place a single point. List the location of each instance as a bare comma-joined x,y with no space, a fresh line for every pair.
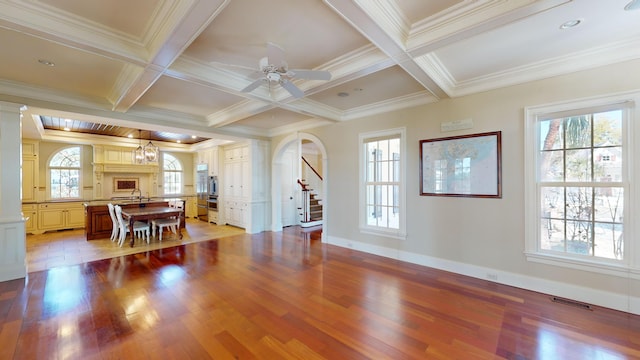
582,60
470,18
398,103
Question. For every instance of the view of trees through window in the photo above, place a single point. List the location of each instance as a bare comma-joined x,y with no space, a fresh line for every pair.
581,184
64,171
172,170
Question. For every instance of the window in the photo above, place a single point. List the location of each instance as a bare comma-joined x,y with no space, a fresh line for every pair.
382,179
578,184
172,174
64,174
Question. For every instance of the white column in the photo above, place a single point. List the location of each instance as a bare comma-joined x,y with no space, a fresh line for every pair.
12,227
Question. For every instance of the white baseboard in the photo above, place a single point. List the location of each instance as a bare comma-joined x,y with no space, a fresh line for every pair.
592,296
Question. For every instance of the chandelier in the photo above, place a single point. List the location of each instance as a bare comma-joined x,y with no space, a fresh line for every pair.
146,154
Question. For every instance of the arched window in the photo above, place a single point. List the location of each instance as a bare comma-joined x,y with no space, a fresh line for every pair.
172,169
64,173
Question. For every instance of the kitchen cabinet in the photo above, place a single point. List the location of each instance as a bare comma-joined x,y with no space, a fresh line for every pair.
30,170
30,213
244,184
235,213
191,207
213,216
58,216
210,158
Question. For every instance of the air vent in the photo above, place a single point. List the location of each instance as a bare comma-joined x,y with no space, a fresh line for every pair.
571,302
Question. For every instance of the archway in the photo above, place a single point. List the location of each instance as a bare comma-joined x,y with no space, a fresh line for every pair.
277,165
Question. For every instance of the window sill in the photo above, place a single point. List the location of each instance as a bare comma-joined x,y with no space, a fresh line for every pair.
390,234
619,270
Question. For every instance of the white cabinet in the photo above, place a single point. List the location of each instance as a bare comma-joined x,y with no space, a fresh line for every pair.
210,158
236,213
30,213
57,216
244,180
213,216
30,170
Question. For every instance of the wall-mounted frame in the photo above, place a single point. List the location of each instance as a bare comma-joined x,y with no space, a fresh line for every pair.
462,166
125,184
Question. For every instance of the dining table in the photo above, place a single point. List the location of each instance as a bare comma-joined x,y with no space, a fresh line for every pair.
149,213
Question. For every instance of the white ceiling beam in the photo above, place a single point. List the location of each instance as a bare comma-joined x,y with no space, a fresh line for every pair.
369,19
166,46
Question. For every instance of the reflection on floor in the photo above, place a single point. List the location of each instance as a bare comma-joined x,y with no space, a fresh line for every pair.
69,247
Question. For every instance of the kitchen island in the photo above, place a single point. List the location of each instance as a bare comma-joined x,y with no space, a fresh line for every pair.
98,223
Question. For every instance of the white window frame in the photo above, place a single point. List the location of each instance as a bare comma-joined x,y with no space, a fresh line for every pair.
629,266
165,170
49,194
399,233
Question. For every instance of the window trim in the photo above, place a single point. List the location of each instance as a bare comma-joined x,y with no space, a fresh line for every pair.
164,170
80,175
629,266
401,232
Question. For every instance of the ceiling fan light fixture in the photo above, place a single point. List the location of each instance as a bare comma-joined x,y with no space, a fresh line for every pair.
632,5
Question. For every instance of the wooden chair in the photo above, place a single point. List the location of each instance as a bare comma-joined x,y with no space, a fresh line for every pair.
172,223
140,228
115,226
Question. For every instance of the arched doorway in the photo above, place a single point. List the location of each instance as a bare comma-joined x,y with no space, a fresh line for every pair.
286,169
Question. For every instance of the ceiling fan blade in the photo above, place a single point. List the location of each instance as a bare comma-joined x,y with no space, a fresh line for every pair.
275,55
253,85
292,89
311,74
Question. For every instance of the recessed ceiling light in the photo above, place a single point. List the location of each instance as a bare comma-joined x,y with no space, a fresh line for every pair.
66,129
130,136
46,62
179,141
632,5
571,23
193,136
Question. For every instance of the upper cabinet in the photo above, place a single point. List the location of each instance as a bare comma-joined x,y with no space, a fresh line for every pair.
30,170
118,159
210,158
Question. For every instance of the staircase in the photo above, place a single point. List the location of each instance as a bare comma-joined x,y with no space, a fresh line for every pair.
311,210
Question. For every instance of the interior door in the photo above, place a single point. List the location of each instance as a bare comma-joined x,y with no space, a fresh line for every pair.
289,177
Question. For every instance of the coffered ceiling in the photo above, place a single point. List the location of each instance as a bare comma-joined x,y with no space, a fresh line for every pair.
179,66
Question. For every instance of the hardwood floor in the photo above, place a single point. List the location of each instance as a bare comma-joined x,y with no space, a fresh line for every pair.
288,296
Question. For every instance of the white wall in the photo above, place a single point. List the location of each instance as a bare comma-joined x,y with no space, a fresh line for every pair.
477,237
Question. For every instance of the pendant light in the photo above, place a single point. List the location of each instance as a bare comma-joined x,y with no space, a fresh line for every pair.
139,154
151,152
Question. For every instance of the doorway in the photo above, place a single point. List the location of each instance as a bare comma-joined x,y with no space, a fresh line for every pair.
286,170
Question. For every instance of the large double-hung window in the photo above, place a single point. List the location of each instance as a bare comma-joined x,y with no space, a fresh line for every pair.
382,187
578,184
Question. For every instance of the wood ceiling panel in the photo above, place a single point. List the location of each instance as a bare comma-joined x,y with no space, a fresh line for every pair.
62,124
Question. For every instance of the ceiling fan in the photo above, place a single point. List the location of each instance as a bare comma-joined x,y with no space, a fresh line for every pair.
274,70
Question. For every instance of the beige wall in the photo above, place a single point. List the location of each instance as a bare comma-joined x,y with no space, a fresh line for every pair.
470,232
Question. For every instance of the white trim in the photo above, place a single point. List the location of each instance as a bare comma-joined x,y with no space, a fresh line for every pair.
399,233
617,301
627,268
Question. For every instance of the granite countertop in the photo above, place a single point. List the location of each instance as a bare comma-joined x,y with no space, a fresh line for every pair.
125,200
